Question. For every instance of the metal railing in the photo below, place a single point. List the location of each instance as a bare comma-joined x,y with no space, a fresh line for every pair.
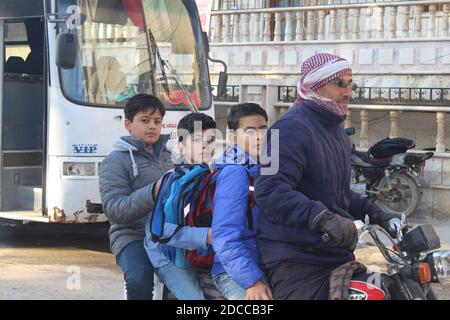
385,95
231,94
287,93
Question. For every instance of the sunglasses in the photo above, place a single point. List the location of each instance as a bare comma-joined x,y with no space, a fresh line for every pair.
344,85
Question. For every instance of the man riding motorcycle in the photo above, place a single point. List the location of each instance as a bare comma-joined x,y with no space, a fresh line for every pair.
306,231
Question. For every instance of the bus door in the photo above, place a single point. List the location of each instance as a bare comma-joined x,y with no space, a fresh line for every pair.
23,105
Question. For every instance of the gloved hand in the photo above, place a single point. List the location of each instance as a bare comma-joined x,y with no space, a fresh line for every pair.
341,231
392,225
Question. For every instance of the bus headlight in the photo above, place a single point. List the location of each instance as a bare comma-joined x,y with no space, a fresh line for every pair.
440,266
79,168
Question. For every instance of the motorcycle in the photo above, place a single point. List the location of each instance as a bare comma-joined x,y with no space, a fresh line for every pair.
392,182
412,265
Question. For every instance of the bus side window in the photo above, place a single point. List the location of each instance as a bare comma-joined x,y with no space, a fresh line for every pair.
16,48
35,34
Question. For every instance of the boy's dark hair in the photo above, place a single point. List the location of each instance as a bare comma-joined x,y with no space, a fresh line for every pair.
241,110
143,102
187,124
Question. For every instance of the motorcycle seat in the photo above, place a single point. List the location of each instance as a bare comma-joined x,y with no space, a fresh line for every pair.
416,158
363,159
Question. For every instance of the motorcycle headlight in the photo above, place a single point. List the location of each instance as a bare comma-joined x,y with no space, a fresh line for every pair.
79,168
440,266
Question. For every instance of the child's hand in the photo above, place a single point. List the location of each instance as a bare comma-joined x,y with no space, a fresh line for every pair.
259,291
209,236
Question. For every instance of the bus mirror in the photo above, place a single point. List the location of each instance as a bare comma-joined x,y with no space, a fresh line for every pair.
222,85
206,42
66,50
223,75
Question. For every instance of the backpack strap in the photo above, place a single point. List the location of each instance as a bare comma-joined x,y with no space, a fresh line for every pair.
208,187
166,240
186,192
180,192
174,194
157,216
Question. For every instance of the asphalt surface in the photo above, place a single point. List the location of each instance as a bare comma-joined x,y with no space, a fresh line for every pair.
52,262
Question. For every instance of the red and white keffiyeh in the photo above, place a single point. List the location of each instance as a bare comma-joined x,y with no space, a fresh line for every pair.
316,71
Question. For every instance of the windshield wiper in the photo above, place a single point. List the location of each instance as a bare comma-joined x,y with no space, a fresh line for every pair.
165,63
155,51
177,78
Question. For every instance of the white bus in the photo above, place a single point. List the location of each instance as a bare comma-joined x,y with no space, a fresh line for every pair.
68,68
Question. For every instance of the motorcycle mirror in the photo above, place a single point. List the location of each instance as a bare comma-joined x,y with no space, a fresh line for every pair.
350,131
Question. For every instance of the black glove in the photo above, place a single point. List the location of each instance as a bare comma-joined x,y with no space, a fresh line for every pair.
341,232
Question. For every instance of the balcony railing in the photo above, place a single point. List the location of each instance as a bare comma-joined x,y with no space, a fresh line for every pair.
231,94
385,95
223,5
366,21
403,96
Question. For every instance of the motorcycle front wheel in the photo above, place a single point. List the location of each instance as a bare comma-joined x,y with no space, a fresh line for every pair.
402,196
408,290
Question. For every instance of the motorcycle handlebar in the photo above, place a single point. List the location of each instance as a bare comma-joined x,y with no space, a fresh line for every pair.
371,229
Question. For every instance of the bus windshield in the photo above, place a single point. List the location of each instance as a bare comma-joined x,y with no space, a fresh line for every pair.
136,46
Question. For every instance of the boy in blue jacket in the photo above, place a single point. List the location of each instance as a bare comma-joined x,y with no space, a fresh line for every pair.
196,136
235,271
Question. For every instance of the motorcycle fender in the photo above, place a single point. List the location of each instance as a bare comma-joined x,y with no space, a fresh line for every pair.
361,290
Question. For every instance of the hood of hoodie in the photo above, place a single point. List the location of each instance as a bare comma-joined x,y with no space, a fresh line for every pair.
236,155
130,144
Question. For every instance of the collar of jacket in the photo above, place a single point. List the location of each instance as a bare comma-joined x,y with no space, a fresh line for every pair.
236,155
140,146
325,116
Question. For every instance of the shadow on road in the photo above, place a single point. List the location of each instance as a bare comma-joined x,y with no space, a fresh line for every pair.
87,236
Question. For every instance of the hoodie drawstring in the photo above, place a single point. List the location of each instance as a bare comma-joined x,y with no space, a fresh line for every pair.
135,167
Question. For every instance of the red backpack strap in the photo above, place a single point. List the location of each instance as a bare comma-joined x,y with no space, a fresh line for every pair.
201,200
212,185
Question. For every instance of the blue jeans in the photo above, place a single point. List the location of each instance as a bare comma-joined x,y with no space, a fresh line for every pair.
229,288
183,283
137,270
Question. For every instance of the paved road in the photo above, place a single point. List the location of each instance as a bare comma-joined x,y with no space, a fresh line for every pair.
74,262
57,262
371,256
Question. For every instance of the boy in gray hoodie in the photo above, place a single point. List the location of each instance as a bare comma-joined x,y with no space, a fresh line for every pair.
127,179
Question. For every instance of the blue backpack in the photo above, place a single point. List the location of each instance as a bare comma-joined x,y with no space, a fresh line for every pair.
178,190
192,185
